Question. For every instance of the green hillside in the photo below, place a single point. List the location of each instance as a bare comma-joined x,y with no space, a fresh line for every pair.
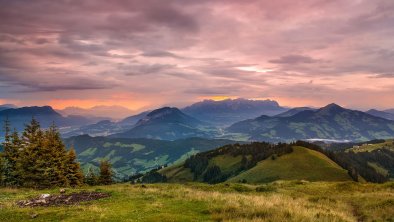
257,163
301,164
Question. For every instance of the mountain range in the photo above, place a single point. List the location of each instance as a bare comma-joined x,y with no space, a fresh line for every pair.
106,127
382,114
226,112
329,122
7,106
103,112
18,117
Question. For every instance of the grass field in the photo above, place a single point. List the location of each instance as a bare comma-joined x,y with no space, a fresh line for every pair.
278,201
302,163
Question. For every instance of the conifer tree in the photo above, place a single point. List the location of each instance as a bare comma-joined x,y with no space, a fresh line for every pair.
37,159
105,172
73,170
56,156
31,165
4,166
91,178
11,146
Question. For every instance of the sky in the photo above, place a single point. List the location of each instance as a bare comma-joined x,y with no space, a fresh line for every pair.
142,54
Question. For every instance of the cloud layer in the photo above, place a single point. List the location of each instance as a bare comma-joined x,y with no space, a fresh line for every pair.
144,54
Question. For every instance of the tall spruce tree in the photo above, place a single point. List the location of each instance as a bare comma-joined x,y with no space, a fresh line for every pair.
4,166
105,172
11,147
55,157
31,165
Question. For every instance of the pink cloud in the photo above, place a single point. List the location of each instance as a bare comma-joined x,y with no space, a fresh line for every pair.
176,51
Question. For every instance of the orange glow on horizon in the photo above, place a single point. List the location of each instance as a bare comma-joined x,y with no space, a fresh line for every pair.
86,104
218,98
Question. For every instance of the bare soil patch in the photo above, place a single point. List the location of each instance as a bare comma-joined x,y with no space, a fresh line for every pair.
62,199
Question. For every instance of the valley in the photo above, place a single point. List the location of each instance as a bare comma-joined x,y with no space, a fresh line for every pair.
168,165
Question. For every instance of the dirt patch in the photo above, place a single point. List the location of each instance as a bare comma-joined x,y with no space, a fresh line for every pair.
62,199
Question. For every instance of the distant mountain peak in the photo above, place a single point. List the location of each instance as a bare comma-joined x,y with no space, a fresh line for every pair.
32,110
168,114
294,111
164,111
332,107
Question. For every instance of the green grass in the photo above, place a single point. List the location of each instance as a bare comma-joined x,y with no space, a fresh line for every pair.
177,173
227,163
301,164
278,201
379,168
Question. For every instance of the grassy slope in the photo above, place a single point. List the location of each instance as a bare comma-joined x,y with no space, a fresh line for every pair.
177,173
389,144
279,201
227,163
301,164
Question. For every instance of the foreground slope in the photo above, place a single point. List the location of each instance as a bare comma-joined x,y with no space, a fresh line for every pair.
280,201
301,164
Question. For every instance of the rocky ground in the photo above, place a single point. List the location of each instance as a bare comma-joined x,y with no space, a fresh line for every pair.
61,199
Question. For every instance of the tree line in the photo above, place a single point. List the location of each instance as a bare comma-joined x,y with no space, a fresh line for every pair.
251,154
38,158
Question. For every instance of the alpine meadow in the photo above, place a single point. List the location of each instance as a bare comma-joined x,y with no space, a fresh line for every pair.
186,110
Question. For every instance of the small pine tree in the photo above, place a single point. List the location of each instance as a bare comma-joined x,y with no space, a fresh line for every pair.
74,174
105,173
91,178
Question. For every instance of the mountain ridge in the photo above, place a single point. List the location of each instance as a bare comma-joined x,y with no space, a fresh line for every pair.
167,123
329,122
226,112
